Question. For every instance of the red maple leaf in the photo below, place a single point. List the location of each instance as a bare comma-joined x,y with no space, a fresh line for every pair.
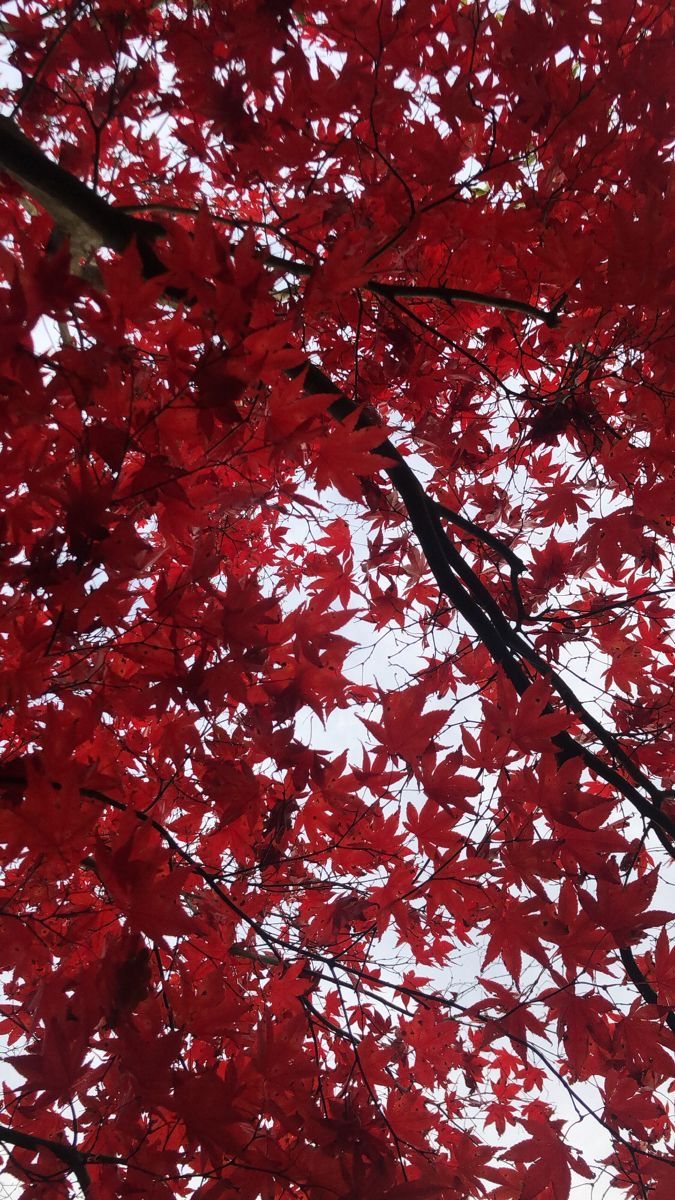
548,1161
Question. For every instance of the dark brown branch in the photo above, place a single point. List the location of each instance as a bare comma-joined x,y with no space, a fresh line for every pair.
517,643
388,291
479,609
500,547
447,295
71,1158
642,983
483,535
87,219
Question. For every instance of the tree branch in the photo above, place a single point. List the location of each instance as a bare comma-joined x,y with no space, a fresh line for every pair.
447,295
73,1159
85,217
486,619
642,984
550,317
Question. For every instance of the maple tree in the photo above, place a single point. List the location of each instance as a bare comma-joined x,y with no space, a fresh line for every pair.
331,327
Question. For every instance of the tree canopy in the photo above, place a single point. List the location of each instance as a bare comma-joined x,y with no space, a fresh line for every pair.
337,695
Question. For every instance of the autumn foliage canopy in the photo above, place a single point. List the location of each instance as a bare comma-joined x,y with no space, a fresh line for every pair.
337,694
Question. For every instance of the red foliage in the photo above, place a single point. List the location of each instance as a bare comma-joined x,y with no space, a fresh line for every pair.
337,495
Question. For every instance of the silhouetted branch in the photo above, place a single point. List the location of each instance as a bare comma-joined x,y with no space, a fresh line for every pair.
71,1158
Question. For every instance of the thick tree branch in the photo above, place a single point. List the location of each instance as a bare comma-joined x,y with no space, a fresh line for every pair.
643,985
550,317
85,217
71,1158
481,612
90,222
483,535
447,295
